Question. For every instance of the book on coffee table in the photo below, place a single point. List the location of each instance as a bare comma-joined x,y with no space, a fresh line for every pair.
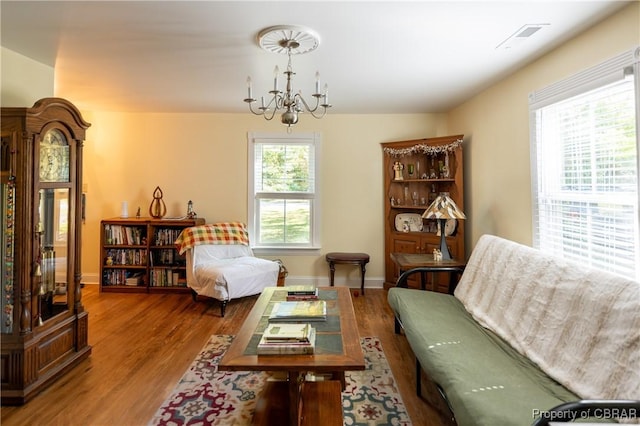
299,290
303,310
287,333
304,346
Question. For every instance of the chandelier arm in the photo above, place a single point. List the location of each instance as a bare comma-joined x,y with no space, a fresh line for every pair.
312,111
314,114
254,112
275,101
273,112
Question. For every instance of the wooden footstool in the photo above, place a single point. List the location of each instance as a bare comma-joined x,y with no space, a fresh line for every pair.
349,259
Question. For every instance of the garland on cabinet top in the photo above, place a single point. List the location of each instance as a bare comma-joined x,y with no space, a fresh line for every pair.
424,149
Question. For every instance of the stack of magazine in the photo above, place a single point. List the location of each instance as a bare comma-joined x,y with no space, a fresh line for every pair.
287,339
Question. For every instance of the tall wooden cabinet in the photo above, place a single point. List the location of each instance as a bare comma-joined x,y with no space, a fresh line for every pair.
415,172
138,255
44,324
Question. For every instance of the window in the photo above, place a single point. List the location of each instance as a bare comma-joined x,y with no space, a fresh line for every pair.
585,167
283,190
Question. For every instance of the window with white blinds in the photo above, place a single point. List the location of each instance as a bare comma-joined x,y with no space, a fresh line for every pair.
283,190
585,167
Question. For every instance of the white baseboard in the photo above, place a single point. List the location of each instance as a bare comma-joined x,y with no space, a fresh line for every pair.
90,278
374,282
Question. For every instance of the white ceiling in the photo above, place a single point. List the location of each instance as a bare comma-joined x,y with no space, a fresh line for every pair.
194,56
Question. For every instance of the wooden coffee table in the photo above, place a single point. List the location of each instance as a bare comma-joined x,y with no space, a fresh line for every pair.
337,350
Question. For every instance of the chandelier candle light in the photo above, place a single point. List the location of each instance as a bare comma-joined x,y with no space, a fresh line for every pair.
289,40
443,208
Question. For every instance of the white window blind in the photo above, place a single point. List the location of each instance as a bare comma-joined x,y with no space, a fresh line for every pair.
283,190
585,167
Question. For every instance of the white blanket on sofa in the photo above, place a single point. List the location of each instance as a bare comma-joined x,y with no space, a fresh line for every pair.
581,326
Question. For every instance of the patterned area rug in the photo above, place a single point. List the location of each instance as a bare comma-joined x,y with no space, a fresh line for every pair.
206,396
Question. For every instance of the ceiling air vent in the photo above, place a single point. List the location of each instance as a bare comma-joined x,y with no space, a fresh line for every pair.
521,35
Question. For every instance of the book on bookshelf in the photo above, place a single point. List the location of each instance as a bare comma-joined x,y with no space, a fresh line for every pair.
302,310
135,279
124,235
292,347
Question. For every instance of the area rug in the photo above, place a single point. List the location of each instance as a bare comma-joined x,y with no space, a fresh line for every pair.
206,396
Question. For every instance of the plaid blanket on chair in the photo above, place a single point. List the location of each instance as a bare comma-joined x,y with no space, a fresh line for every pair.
215,233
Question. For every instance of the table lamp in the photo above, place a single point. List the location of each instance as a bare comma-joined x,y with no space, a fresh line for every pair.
443,208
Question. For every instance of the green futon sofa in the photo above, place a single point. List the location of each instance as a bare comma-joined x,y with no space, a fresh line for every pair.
525,333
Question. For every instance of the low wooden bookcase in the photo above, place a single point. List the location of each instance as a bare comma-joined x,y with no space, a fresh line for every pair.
139,255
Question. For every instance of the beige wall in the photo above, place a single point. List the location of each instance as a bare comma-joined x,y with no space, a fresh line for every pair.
496,122
203,158
23,80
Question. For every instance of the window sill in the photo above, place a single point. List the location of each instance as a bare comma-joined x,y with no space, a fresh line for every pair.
286,251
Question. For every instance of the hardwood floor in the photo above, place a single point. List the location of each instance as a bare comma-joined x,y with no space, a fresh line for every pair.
143,343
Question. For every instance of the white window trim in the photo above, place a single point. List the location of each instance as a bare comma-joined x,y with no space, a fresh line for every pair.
607,72
316,139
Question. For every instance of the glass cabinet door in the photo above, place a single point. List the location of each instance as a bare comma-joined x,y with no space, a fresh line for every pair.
54,251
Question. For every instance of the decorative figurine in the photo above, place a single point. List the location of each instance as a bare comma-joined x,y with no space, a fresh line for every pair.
190,213
397,168
138,213
437,255
157,209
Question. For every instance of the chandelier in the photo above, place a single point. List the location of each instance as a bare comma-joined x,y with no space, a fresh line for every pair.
289,40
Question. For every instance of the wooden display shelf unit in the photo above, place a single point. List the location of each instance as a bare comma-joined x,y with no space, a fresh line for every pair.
437,166
138,255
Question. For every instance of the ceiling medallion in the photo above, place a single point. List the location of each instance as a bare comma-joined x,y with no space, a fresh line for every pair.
290,40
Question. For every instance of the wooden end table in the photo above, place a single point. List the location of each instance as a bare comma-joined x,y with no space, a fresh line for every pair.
412,263
337,350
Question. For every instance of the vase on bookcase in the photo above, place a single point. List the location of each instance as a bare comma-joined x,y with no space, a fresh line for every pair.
157,209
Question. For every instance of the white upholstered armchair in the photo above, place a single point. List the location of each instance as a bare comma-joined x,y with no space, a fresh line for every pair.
221,264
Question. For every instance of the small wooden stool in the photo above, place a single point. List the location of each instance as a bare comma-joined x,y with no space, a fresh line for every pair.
349,259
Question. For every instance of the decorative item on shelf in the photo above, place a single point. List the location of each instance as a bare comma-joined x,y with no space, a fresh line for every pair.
445,169
442,209
411,169
437,255
432,170
124,211
289,40
412,220
397,171
138,213
157,209
190,213
430,150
